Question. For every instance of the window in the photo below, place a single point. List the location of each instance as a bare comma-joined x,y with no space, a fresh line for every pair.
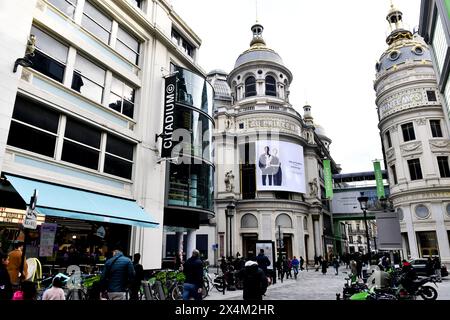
88,79
121,98
182,43
250,87
271,89
394,174
33,127
414,169
248,220
350,239
50,56
66,6
81,144
127,45
408,132
118,157
137,3
444,169
436,128
96,22
388,139
431,95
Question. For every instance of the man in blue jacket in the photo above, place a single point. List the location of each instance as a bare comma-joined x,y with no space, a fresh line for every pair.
118,274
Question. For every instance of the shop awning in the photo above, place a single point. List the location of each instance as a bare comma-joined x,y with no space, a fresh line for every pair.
54,200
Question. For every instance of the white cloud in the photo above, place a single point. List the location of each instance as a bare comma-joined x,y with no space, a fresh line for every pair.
331,48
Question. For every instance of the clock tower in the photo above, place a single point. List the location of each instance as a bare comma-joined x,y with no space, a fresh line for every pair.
415,141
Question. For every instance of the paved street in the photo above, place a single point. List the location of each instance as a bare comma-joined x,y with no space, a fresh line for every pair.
311,285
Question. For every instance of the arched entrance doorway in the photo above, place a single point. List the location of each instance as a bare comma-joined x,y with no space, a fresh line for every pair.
249,227
283,225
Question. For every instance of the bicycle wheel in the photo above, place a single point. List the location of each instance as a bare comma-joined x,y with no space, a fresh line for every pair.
177,292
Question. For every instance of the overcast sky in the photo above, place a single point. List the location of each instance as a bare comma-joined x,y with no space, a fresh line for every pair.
331,48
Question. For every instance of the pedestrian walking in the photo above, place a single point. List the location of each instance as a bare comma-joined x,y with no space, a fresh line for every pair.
254,281
324,266
285,268
193,271
295,264
336,266
118,274
302,262
263,261
429,267
138,277
55,292
6,291
437,268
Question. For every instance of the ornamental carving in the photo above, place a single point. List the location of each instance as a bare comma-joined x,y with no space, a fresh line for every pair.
394,128
440,145
442,195
421,122
390,154
411,148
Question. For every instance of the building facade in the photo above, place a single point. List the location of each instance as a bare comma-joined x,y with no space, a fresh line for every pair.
84,123
434,27
268,157
416,143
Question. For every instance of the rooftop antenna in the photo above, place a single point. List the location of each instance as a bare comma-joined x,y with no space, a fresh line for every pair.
256,5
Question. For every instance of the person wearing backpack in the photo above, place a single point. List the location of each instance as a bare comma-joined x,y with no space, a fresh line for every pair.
118,275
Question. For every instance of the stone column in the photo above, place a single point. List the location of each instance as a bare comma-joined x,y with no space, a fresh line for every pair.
317,238
300,234
411,233
190,243
441,232
179,236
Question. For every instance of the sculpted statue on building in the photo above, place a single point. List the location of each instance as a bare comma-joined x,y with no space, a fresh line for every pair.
313,188
229,181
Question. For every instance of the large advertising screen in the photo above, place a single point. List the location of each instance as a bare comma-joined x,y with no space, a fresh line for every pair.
346,201
279,166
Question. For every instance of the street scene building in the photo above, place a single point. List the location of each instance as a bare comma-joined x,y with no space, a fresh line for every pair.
255,122
79,124
415,141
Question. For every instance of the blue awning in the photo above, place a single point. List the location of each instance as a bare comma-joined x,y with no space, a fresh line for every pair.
54,200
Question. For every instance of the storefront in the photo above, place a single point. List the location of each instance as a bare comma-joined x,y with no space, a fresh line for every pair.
74,227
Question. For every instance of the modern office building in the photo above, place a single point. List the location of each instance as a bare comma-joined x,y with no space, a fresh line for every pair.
416,141
83,124
269,172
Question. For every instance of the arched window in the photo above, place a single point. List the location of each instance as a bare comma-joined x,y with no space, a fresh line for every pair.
250,87
249,221
284,221
271,86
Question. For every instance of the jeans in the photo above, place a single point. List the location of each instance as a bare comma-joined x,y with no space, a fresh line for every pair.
191,290
264,177
295,271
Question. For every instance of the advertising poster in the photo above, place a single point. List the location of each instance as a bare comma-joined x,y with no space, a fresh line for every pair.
48,231
279,166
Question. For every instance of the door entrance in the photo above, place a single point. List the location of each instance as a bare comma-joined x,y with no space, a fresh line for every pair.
249,245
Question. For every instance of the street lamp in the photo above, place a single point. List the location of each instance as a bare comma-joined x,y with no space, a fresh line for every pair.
363,203
229,212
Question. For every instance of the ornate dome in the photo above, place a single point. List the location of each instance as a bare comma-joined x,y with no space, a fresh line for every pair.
403,45
258,50
218,79
320,131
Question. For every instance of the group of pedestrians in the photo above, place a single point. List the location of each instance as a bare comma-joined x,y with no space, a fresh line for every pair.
285,266
119,275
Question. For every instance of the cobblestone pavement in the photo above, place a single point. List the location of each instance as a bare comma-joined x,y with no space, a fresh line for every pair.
312,285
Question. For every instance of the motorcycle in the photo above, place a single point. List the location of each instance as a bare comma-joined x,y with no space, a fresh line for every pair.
373,294
413,288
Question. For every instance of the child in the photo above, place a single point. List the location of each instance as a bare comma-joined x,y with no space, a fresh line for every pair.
55,292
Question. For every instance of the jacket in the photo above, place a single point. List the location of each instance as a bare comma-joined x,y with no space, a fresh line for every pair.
13,267
263,262
254,282
118,274
193,270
